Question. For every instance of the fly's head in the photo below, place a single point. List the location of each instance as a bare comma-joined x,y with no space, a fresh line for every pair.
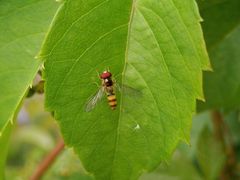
105,75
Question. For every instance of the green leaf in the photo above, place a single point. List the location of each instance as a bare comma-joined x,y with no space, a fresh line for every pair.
155,47
23,24
210,155
222,33
22,27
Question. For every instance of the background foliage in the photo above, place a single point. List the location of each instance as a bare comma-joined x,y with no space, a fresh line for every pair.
215,142
221,31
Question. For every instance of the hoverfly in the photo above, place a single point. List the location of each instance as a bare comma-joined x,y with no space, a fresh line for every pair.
108,88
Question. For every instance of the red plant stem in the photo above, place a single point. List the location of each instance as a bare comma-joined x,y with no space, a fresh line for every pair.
218,125
48,161
222,133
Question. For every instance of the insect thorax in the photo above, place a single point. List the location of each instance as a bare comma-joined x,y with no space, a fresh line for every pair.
107,82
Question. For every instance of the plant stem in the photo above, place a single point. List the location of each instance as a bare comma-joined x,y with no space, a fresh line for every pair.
48,161
222,134
218,125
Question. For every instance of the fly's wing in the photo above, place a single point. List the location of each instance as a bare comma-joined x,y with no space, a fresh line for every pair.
93,100
122,88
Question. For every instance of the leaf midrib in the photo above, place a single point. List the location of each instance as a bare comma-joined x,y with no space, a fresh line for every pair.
123,72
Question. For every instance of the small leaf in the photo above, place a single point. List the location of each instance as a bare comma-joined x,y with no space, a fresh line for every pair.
222,33
153,46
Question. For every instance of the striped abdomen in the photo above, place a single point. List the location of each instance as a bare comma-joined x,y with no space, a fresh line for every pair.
112,101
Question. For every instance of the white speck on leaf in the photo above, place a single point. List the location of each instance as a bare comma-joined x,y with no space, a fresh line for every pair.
137,127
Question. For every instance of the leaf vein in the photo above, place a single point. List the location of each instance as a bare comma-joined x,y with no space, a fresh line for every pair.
85,51
188,33
164,60
124,69
73,23
151,92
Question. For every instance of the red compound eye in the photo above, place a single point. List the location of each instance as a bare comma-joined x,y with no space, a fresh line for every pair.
105,75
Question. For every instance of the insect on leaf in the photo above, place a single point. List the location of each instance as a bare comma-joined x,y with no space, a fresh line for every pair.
94,99
157,48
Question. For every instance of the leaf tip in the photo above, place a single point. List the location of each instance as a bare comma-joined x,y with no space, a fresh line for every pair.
210,68
43,67
201,98
39,56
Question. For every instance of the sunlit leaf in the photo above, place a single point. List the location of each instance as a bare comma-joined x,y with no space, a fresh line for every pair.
155,47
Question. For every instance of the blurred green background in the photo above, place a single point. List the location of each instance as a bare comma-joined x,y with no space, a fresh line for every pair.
37,133
214,151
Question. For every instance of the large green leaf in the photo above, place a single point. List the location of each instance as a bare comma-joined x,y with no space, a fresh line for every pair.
22,27
222,33
155,47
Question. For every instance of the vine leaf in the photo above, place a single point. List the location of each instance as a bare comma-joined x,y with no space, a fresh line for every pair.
222,33
22,27
153,46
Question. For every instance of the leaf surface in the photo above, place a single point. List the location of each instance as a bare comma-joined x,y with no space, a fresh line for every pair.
222,33
155,47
